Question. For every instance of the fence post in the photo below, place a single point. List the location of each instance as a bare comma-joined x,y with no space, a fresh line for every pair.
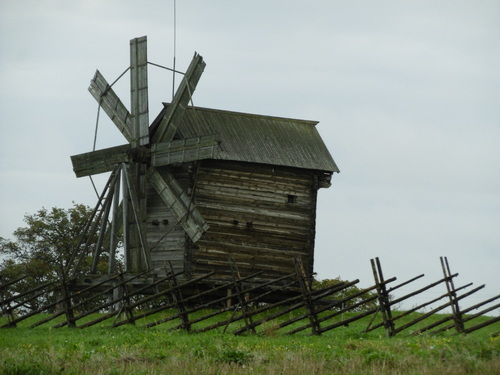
125,302
450,287
383,297
5,308
242,299
305,287
178,299
68,309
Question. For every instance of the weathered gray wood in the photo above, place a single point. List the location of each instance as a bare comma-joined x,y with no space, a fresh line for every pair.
482,325
465,311
114,108
115,225
450,287
100,161
139,90
383,297
249,215
178,202
140,113
184,150
169,124
439,308
414,308
138,250
104,224
126,222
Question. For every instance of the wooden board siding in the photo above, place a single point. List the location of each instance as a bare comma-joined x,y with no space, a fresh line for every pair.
262,216
166,237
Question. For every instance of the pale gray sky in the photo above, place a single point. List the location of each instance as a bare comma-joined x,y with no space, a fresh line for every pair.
406,94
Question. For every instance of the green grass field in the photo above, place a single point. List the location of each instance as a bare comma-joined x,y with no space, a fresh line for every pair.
345,350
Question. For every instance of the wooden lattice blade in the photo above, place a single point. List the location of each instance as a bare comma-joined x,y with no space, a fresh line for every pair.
169,124
101,161
184,150
112,105
178,202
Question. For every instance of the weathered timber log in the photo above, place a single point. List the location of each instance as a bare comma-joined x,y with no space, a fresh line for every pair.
186,300
482,325
323,307
159,294
77,294
109,302
416,308
12,282
466,319
255,299
439,308
13,322
315,296
345,309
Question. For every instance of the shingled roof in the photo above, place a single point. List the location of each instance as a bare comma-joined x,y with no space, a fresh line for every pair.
258,139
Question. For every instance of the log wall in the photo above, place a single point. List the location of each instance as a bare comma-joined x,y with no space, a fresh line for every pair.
262,216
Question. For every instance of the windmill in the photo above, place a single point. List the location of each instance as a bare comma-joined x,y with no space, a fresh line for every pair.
141,163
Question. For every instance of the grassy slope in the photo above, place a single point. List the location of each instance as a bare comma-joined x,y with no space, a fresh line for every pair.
136,350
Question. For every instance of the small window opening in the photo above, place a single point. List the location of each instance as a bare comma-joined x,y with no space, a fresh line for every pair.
292,198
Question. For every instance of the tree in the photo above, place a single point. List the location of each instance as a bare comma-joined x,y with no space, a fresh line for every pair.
43,248
368,298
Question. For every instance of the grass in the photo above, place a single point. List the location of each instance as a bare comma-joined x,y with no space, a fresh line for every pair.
137,350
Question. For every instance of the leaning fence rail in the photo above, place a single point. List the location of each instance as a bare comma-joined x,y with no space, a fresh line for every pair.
235,305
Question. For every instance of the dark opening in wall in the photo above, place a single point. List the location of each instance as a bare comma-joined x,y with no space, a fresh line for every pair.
292,198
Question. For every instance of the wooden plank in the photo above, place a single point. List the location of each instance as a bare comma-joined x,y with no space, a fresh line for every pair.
169,124
109,101
139,90
100,161
178,202
184,150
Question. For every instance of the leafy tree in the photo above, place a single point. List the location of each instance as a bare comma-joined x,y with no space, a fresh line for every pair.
43,248
367,298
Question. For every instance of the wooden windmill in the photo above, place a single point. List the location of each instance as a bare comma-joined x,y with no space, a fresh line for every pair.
199,186
141,163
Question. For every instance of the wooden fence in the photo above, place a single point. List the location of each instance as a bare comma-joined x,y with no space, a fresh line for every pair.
237,305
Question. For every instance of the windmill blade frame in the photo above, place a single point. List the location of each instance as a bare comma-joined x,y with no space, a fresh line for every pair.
112,105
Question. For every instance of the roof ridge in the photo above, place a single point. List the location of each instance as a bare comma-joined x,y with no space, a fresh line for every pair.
246,114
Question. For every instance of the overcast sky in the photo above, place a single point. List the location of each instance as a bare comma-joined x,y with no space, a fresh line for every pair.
406,93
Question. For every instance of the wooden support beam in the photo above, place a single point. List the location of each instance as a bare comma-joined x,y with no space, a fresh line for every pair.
139,91
383,297
104,223
346,309
439,308
455,308
101,161
305,288
240,294
415,308
76,306
466,319
67,301
113,234
140,256
325,307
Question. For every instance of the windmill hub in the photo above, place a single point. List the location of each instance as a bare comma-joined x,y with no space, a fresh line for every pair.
140,155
